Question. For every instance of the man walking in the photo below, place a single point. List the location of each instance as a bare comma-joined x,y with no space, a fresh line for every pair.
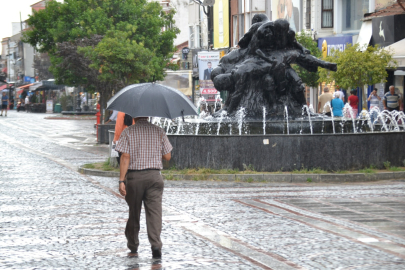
392,101
4,104
143,146
323,99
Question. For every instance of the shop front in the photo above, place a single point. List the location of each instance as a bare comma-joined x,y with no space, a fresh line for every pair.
326,45
388,32
212,100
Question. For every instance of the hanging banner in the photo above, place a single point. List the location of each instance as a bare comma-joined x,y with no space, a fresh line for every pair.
289,10
221,24
207,61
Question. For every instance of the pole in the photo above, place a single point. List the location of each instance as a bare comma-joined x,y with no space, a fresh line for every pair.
22,49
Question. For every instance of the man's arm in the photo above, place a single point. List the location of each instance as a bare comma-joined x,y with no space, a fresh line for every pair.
124,163
384,103
319,106
168,156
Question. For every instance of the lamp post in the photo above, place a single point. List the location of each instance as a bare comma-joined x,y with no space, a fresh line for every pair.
78,101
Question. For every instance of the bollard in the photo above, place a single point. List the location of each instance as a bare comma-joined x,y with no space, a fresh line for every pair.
98,114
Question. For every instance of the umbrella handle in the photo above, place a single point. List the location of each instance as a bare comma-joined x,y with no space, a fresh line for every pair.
182,115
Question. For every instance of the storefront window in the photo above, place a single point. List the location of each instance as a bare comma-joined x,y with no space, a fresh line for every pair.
352,12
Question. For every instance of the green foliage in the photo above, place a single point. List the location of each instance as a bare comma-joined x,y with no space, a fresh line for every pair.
132,47
309,78
387,165
368,170
89,166
309,180
356,68
65,100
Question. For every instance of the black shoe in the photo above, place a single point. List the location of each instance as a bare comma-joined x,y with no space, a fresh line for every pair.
156,253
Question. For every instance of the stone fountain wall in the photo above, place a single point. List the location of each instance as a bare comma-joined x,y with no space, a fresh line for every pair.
330,152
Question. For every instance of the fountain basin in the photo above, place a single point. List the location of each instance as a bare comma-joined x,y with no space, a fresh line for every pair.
297,126
331,152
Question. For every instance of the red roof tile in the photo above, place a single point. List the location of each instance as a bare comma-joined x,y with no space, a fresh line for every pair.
394,9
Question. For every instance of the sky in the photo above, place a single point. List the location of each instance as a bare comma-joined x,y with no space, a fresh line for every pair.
11,13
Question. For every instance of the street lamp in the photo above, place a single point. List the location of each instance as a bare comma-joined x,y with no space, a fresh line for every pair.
78,101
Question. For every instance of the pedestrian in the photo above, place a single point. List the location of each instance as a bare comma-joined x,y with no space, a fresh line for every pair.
337,105
323,99
392,101
113,117
27,100
143,146
374,100
123,121
4,103
341,95
354,103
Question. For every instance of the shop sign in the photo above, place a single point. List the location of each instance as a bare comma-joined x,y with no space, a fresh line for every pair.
185,52
49,106
209,91
335,42
388,30
207,61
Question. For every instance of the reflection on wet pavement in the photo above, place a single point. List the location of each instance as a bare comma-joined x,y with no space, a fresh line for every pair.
53,217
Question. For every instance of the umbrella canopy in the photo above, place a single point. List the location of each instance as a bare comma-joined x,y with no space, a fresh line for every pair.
5,90
152,99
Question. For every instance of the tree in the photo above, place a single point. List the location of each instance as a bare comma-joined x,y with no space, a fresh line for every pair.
309,78
104,43
357,68
42,64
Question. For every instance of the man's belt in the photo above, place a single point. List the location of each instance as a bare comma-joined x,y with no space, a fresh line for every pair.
144,170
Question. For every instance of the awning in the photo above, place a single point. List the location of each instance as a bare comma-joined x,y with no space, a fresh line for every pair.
366,32
398,48
34,86
45,85
23,87
3,87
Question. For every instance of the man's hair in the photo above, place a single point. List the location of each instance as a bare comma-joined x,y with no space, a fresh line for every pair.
392,87
375,89
209,63
326,89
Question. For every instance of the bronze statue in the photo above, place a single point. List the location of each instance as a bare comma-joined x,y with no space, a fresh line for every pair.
259,73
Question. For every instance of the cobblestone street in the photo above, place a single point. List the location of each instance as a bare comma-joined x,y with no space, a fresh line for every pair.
54,217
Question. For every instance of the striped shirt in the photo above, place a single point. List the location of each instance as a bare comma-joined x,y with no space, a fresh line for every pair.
374,102
391,100
145,143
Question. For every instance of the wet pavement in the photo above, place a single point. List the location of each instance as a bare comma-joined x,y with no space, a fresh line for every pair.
53,217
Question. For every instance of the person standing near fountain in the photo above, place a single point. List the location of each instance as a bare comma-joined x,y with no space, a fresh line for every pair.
323,99
354,103
337,105
341,95
392,101
374,100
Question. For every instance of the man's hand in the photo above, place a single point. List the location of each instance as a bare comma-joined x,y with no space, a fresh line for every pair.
122,189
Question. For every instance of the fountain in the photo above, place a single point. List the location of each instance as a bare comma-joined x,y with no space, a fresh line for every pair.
266,123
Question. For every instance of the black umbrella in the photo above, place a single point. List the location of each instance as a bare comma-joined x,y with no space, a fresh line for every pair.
151,99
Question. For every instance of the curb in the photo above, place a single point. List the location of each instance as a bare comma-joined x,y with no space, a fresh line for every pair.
277,178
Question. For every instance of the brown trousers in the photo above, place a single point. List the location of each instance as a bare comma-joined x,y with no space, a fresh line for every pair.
146,186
